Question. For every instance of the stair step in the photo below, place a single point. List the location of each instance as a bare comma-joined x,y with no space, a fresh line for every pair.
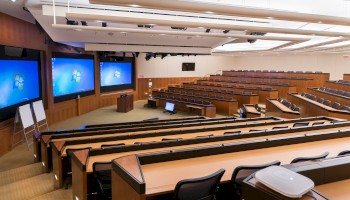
28,188
17,174
56,195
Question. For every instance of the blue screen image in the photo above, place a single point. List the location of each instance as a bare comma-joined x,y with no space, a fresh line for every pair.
19,82
71,76
113,73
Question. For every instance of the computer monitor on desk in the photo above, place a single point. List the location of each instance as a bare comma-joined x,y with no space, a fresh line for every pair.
170,107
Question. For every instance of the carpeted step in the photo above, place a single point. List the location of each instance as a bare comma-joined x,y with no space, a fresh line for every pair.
56,195
28,188
17,174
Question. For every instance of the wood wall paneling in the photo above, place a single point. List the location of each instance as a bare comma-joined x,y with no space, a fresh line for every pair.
144,91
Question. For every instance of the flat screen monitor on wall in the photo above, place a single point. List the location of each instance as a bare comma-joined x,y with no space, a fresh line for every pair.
117,74
188,66
20,80
73,76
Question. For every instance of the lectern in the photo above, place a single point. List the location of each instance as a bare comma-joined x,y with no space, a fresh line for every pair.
125,103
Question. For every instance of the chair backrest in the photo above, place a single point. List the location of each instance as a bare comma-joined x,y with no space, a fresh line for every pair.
103,146
317,123
171,139
327,102
205,136
300,124
256,130
347,108
336,105
198,188
243,171
344,153
233,133
296,109
320,100
279,127
102,168
301,159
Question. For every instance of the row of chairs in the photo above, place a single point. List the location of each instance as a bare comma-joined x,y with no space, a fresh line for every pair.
288,104
308,72
232,86
102,172
171,95
191,93
268,77
185,100
344,82
335,105
335,91
249,82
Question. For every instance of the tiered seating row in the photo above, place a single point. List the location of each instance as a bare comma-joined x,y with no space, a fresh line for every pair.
300,84
339,85
318,77
281,108
227,156
311,107
242,98
331,95
263,93
282,88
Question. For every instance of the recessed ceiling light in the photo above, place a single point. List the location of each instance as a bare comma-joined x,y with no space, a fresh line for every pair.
200,27
270,18
162,34
13,0
122,32
209,12
134,5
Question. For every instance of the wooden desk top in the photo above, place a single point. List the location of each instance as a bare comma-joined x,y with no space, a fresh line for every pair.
337,190
97,145
282,107
108,157
250,108
174,171
193,106
162,130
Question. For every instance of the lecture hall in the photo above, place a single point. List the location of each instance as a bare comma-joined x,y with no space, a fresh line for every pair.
174,99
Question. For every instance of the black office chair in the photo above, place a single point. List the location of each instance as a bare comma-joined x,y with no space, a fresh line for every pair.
280,127
68,166
317,123
297,109
203,188
327,102
143,143
256,130
171,139
102,172
205,136
320,100
336,105
347,108
243,171
104,146
302,159
233,133
300,124
344,153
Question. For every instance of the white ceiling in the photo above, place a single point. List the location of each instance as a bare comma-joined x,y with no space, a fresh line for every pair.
297,29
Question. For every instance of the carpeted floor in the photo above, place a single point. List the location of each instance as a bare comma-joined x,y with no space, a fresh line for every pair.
20,178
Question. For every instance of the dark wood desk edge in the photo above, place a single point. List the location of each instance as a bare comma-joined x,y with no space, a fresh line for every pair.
126,174
81,158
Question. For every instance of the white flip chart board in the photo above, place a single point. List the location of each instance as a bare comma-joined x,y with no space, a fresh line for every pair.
26,115
39,111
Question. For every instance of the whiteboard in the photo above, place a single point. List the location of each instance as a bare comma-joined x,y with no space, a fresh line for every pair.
39,111
26,115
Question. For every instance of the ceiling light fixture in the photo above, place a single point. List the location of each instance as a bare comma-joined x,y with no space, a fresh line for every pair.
13,0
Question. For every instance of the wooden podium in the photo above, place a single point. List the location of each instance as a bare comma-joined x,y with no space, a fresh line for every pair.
125,103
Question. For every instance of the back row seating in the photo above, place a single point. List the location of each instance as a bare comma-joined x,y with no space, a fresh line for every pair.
289,104
335,91
335,105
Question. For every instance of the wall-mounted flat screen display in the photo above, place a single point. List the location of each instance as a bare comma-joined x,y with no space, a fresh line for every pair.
117,74
20,80
188,66
73,76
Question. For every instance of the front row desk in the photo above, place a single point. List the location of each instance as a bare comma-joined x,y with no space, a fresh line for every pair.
144,176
